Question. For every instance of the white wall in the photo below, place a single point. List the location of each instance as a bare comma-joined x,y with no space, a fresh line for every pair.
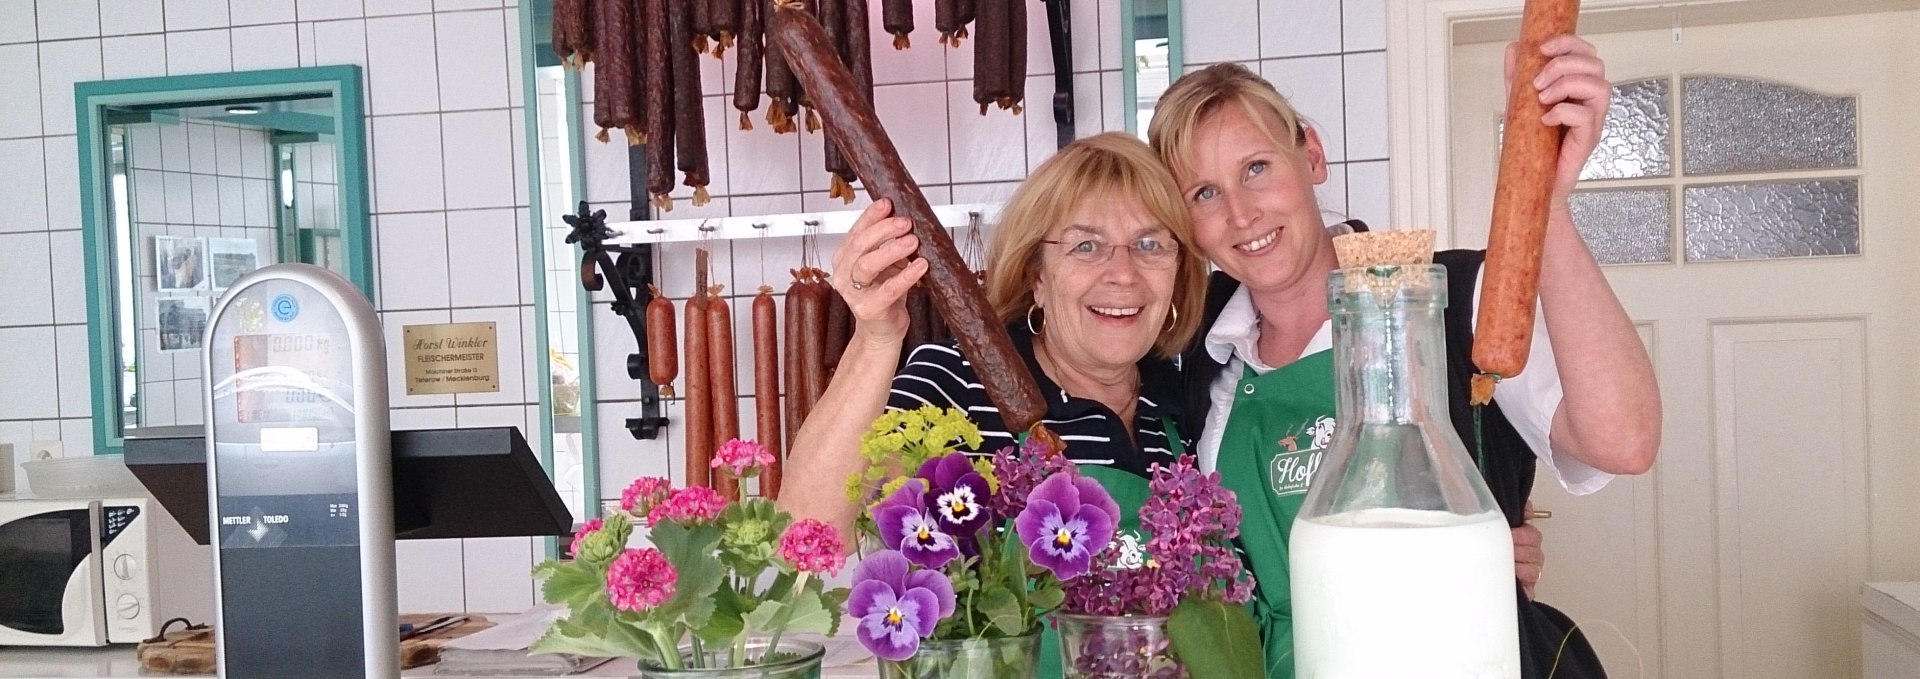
450,196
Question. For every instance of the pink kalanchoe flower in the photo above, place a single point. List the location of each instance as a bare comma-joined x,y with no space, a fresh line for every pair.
813,546
646,491
589,528
741,459
640,579
695,503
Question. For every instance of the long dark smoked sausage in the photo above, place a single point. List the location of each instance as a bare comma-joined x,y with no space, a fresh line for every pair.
896,16
572,33
690,119
839,329
991,49
613,71
779,83
1016,64
766,387
794,358
749,50
956,293
724,396
725,15
657,90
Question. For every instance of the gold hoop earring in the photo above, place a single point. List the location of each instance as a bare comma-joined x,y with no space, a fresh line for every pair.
1030,329
1174,319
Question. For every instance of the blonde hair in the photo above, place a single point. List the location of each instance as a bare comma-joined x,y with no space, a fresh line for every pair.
1198,95
1108,165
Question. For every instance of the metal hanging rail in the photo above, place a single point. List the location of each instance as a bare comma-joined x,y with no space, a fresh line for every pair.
792,225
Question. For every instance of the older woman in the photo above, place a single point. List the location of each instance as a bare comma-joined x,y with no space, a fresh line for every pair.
1093,270
1587,407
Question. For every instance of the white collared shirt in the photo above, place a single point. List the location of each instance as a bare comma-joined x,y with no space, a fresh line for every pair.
1528,400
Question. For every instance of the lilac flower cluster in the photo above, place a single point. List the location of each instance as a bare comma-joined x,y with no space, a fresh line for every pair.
1021,469
1124,653
1192,520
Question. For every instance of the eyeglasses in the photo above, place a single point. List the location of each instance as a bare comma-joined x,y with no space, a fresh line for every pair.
1149,251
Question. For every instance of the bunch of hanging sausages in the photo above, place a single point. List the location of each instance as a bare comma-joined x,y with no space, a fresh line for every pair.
818,324
646,76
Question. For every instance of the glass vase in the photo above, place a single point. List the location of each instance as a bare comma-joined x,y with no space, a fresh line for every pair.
793,659
1002,658
1117,647
1399,544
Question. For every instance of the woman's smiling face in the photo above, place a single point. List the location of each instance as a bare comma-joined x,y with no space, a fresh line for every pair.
1106,314
1254,212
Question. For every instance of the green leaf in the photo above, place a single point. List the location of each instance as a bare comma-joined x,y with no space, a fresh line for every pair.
762,616
811,615
571,583
1003,609
1047,598
1216,639
555,640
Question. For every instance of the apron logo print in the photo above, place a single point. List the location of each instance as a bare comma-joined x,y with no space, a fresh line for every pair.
1292,469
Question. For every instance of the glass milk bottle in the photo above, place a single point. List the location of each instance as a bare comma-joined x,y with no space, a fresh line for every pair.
1402,563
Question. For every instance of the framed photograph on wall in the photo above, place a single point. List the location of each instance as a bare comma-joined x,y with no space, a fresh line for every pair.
179,264
182,322
231,258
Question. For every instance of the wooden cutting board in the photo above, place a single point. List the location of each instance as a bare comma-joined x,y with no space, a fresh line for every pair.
183,651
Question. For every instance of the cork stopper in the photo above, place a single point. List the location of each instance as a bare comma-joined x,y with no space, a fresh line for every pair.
1409,251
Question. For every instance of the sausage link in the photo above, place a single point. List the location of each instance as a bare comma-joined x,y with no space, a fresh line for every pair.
839,329
749,53
725,15
813,327
699,404
663,358
613,71
990,51
963,11
955,290
766,387
572,32
946,21
699,13
896,16
690,120
917,325
1016,64
795,357
779,83
1530,149
657,85
724,396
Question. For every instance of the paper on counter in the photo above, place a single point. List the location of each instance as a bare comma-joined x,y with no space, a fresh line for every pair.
516,633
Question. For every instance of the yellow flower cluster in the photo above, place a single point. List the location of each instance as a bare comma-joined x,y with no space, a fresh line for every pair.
901,440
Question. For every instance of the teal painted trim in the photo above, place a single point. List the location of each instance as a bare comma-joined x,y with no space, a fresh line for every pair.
589,388
530,115
343,83
1176,42
1129,68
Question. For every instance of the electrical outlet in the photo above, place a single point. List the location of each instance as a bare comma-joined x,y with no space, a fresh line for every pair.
43,450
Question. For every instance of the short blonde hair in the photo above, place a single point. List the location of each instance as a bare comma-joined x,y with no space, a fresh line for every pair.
1112,164
1198,95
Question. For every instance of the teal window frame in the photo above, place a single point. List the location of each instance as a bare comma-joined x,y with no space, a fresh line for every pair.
91,99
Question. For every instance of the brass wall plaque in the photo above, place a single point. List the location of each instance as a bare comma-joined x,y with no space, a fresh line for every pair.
452,358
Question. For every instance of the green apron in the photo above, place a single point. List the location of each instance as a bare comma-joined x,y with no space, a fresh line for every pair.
1128,490
1271,446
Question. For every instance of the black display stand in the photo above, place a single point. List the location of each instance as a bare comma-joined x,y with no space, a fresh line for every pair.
447,483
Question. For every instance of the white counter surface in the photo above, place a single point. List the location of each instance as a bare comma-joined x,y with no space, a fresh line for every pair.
118,661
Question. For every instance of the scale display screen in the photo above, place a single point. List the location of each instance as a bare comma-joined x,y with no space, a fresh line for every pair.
283,419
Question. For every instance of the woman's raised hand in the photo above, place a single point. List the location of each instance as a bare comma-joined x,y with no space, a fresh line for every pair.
878,299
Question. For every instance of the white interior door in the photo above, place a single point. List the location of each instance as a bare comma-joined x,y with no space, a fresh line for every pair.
1786,477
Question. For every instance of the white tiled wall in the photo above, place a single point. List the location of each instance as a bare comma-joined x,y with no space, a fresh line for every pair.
449,201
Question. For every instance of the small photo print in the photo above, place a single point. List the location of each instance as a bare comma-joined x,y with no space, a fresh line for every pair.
232,258
182,322
179,264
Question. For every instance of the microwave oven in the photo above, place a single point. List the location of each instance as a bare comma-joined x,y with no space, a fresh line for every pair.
91,572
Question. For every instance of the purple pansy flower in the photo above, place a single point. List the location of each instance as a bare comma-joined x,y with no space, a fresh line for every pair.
1068,519
906,527
897,606
958,495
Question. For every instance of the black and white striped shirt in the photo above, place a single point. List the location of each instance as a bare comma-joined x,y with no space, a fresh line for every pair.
938,375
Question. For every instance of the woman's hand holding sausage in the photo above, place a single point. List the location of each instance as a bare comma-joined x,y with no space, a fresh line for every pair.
876,243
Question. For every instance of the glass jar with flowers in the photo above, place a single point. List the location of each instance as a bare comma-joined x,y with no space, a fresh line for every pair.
717,594
970,555
1182,588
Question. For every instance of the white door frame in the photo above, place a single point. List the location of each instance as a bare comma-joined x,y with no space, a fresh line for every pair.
1419,60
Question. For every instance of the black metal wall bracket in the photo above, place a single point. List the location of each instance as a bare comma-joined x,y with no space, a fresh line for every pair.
1060,30
625,271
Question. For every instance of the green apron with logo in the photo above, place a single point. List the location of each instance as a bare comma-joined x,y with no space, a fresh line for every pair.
1129,491
1268,453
